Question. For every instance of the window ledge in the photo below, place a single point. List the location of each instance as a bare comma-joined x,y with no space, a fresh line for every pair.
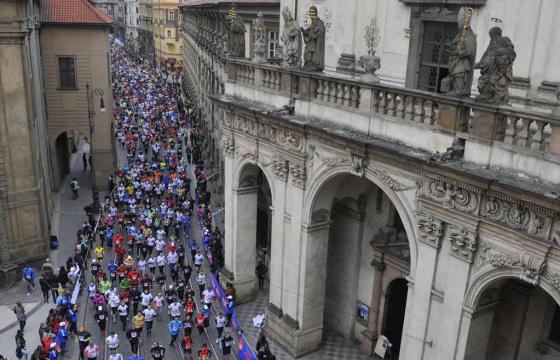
67,88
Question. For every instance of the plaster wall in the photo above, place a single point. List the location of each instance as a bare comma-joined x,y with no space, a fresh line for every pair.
67,108
524,162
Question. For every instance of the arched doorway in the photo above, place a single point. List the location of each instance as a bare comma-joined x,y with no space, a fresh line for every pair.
367,255
253,199
514,320
395,300
62,151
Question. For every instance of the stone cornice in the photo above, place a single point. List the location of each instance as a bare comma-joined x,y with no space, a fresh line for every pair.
453,179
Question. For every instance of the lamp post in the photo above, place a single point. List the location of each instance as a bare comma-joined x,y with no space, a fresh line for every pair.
91,117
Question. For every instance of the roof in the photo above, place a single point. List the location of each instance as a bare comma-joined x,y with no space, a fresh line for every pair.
193,3
72,12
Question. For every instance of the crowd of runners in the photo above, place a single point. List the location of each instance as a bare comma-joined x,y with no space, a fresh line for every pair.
145,254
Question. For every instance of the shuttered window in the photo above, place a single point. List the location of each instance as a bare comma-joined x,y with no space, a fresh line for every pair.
67,73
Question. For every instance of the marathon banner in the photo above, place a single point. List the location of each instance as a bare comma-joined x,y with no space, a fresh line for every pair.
244,350
221,296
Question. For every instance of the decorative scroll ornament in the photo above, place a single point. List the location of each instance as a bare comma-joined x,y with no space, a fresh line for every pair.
299,175
291,139
452,196
359,164
333,161
430,229
514,215
388,181
390,241
463,243
531,267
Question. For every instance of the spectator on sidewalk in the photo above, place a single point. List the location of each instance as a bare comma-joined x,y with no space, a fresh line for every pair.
45,288
74,186
84,337
21,316
84,161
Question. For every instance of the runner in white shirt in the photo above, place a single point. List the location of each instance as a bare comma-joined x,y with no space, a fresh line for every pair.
116,356
160,260
114,302
208,296
160,244
112,341
149,315
146,298
175,308
198,260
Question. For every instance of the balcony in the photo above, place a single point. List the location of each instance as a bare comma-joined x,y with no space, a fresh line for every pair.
442,127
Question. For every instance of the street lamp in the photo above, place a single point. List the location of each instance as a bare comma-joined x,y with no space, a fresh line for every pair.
91,118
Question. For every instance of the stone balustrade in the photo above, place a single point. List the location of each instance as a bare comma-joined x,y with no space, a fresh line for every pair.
463,117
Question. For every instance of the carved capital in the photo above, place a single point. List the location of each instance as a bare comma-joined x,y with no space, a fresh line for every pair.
530,267
281,167
299,175
430,229
463,243
229,145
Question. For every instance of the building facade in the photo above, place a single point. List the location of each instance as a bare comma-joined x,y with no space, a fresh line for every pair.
205,38
394,210
146,31
75,53
132,16
167,37
25,176
109,7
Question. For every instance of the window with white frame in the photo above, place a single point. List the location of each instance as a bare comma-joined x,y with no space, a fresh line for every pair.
169,33
272,43
170,15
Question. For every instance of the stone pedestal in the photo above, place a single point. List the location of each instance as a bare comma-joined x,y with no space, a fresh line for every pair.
486,126
450,118
284,330
8,275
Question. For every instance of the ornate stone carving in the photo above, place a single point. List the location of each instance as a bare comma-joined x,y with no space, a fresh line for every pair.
452,196
371,62
228,119
229,145
314,38
496,68
281,167
430,229
359,164
267,132
438,11
333,161
291,139
387,180
299,175
291,38
531,267
515,215
390,241
259,45
463,243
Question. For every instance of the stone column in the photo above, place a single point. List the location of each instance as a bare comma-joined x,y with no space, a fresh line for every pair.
418,303
369,336
277,243
229,163
244,241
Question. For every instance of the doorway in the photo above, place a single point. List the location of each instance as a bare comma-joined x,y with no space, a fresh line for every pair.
394,313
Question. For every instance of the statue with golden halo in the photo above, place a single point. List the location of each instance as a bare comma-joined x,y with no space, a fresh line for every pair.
236,41
462,54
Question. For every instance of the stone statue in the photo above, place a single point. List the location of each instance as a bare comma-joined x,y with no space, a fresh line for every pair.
259,46
314,38
496,68
462,55
236,34
291,38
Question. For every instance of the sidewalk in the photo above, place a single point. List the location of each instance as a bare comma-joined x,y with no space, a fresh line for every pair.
68,215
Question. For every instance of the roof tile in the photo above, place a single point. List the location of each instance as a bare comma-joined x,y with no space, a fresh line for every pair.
75,12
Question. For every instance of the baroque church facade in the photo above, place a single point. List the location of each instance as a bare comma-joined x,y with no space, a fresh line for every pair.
381,206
